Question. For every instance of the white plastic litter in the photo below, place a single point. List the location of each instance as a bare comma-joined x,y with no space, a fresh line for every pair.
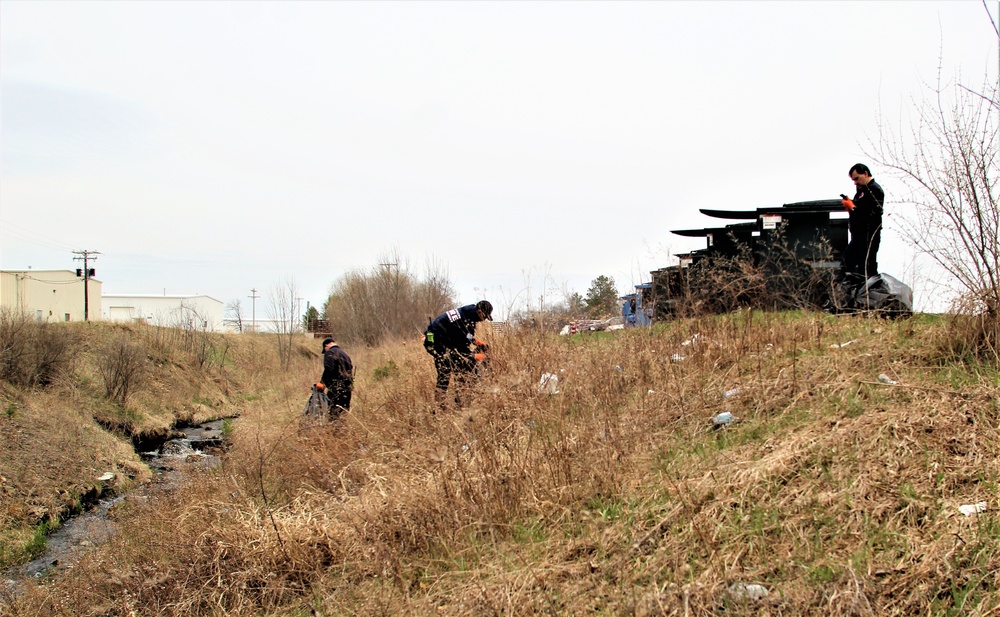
731,393
692,340
677,358
972,508
839,345
744,591
723,418
887,380
548,384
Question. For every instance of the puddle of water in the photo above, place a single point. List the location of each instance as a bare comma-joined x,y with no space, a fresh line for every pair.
76,535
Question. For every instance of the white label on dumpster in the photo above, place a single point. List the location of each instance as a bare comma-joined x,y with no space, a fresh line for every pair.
770,221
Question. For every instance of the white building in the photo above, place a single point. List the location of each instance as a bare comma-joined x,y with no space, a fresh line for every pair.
50,295
197,312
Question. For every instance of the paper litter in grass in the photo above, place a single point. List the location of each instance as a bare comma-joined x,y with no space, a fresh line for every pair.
972,508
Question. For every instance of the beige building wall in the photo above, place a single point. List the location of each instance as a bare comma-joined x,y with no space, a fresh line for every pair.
49,295
197,312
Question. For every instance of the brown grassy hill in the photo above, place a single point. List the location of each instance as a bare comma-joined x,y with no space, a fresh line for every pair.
833,492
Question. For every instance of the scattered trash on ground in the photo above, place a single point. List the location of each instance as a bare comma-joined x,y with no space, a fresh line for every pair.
840,345
883,378
723,419
691,341
651,391
731,393
744,591
972,508
677,358
589,325
548,384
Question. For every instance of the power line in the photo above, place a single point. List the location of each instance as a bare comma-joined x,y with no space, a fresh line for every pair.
23,233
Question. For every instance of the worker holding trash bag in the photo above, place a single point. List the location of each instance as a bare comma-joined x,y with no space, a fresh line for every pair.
449,339
338,377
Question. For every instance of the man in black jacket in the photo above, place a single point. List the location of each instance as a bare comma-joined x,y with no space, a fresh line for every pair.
861,254
448,339
338,377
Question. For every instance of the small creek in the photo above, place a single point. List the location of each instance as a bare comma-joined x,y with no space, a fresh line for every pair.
195,447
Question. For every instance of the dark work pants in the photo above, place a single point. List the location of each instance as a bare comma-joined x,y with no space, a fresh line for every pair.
861,254
338,395
446,362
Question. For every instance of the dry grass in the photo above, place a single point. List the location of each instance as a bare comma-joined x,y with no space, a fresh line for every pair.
839,494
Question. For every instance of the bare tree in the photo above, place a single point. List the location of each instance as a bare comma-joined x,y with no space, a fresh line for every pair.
283,310
388,301
947,158
234,315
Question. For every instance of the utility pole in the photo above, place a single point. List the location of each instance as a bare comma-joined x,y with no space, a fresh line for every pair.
87,272
254,309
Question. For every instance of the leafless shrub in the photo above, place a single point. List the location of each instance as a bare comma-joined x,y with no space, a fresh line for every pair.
33,353
122,366
776,276
948,159
283,309
234,315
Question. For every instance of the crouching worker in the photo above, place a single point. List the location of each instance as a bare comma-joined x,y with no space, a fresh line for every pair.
338,377
448,339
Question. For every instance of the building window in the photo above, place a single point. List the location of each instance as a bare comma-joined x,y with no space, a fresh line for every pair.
67,316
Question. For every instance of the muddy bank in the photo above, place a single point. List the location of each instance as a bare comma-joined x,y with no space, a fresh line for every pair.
189,448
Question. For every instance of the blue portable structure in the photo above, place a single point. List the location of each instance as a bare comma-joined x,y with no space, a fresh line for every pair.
637,307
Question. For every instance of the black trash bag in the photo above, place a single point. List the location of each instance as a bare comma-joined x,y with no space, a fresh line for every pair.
880,293
317,406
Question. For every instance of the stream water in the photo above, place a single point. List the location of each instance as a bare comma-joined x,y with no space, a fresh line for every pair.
198,447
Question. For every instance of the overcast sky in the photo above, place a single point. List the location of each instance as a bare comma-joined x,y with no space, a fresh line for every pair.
525,147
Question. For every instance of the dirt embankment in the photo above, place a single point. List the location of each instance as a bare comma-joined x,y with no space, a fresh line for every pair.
80,402
828,491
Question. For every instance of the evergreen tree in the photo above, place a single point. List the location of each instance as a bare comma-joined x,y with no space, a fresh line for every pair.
602,297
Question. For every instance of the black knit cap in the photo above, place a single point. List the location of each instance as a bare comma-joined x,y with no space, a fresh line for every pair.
326,341
486,308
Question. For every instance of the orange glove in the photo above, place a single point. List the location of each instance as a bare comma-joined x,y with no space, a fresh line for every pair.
320,386
479,357
848,204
